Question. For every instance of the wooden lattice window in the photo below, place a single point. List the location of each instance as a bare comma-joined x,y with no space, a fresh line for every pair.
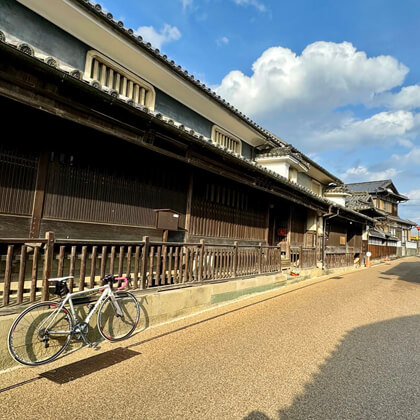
117,78
226,139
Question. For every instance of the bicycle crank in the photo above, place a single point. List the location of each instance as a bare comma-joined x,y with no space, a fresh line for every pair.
80,331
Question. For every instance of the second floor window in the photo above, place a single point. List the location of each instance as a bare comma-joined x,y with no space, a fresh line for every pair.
115,77
226,139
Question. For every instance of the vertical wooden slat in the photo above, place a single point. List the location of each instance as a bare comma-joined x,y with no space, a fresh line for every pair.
143,264
39,195
22,270
151,265
202,250
34,278
186,259
103,262
60,267
136,267
121,261
83,268
189,206
72,267
112,260
129,257
181,264
48,259
170,256
163,274
8,275
176,274
93,267
158,265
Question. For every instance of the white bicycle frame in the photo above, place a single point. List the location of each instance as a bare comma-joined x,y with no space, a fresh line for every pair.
107,292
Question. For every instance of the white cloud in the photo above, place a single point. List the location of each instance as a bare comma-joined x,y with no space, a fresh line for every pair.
257,4
410,159
413,195
326,75
222,41
382,128
407,98
186,4
405,143
362,173
167,34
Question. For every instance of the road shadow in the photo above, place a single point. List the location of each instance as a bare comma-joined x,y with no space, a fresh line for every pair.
88,366
374,373
406,271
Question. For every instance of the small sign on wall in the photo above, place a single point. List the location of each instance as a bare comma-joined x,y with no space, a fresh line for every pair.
342,240
167,219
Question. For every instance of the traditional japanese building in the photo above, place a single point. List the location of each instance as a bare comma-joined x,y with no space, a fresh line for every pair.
108,137
380,199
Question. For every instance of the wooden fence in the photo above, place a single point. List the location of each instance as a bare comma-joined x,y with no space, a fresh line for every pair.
379,251
337,260
301,257
27,264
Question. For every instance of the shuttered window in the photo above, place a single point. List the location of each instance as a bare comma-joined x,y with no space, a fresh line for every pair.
225,139
115,77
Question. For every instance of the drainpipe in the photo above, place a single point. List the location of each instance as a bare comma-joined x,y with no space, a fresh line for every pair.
326,217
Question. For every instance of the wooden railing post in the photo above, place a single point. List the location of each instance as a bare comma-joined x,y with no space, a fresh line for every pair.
48,260
301,257
260,258
144,260
201,260
235,259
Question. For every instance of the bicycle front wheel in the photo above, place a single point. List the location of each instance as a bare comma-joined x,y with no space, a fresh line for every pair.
40,334
111,324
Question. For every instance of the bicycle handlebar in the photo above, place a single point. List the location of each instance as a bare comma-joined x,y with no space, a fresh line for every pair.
123,286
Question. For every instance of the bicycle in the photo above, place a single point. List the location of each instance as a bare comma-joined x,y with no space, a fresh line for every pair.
43,331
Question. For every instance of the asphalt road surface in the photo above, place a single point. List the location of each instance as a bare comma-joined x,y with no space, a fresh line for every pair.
341,347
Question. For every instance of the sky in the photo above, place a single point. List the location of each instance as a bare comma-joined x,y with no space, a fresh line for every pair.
339,80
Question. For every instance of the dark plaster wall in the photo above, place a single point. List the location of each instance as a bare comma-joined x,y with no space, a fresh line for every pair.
179,112
29,27
247,150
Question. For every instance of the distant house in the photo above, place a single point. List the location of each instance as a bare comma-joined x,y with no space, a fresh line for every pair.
380,199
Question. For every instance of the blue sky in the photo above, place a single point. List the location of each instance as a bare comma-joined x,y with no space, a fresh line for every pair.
340,80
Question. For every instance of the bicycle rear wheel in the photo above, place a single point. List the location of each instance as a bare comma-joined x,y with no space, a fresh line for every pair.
40,334
111,325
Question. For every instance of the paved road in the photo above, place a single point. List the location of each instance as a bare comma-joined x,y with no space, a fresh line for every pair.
344,347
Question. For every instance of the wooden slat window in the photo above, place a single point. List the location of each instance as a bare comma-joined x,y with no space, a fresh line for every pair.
18,173
77,190
226,140
115,77
223,210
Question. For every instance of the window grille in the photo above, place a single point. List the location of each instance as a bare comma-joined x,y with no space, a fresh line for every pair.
225,139
115,77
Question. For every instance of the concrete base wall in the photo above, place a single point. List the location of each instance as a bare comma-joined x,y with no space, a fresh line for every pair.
158,307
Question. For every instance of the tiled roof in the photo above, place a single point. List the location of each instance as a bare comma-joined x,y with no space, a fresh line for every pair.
340,189
370,187
377,187
377,233
403,221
